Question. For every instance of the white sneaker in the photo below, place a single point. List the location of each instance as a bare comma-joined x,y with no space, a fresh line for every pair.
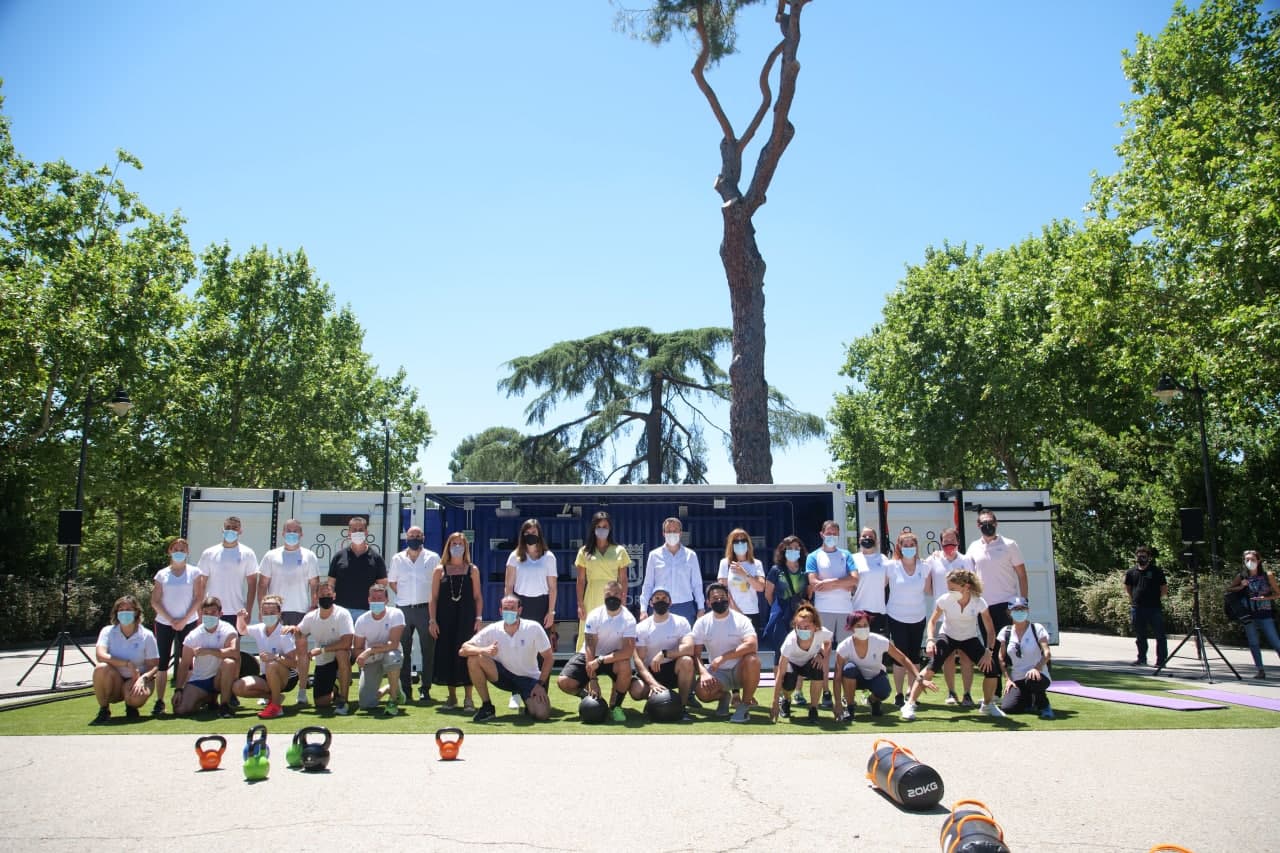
908,712
514,704
303,701
991,709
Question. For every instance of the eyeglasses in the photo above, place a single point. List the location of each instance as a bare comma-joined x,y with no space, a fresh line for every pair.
739,542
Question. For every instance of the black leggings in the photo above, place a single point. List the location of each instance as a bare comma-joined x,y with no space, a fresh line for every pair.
169,640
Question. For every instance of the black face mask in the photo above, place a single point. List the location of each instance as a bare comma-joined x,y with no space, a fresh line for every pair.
661,607
988,528
326,601
612,603
414,544
720,606
530,539
1144,561
867,542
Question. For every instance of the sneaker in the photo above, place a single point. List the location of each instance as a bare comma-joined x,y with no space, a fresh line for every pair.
262,703
825,704
235,703
952,699
813,715
486,712
449,704
132,713
991,709
899,700
847,716
104,714
967,701
226,710
1139,662
619,715
740,713
158,708
391,709
693,702
341,709
1161,664
303,701
514,702
722,709
424,696
1046,714
271,712
799,699
784,709
468,706
876,708
685,718
908,711
1261,673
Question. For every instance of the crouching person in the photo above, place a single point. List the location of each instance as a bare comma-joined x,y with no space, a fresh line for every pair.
128,658
329,631
377,646
513,654
609,640
277,658
210,663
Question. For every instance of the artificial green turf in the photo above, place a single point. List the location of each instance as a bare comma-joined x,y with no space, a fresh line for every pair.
72,716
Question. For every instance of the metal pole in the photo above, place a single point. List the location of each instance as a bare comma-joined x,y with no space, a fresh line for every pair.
1208,477
386,489
73,555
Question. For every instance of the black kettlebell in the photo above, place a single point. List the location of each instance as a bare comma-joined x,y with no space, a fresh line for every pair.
315,756
592,709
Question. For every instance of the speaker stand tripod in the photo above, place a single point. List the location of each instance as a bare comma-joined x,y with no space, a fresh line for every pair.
62,642
1197,630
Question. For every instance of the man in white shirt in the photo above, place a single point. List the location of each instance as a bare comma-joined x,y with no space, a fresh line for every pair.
278,656
330,631
999,565
730,642
657,663
832,579
675,568
608,641
210,663
513,654
409,577
293,573
377,647
232,571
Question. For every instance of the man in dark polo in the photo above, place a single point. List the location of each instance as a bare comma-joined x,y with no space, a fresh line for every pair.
355,568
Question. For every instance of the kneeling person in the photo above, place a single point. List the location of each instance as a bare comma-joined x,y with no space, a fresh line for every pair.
730,641
330,631
277,658
210,663
506,654
609,640
377,645
658,663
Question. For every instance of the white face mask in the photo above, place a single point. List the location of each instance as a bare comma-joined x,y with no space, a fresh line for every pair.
358,538
1251,565
673,539
861,633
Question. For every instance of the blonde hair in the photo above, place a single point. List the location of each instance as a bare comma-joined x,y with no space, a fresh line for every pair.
728,545
812,612
965,578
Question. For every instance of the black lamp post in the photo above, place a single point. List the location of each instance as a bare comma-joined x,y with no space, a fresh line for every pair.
386,487
1167,390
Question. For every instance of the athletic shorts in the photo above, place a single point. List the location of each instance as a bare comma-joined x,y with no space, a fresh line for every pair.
205,684
813,670
512,683
291,617
729,678
907,636
972,648
666,675
576,669
324,677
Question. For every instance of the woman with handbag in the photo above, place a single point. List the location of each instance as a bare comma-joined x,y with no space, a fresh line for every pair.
1261,588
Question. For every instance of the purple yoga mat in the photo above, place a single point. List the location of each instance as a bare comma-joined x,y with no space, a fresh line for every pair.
1234,698
1075,688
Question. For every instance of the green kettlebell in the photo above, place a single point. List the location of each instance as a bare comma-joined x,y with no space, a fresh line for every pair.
256,768
256,762
293,755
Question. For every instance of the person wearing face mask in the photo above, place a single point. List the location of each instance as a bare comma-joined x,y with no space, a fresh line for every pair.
513,654
292,572
1146,584
802,654
599,561
409,577
1262,591
330,632
674,568
175,598
278,657
377,650
355,568
786,587
945,560
128,660
455,615
531,575
832,579
860,666
998,562
730,642
1024,656
869,595
231,569
905,578
210,663
742,573
608,642
954,626
658,664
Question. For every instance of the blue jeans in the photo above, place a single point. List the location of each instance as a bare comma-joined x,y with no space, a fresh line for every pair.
1268,623
1149,621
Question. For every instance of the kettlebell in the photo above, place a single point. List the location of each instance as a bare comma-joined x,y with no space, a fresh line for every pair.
256,741
449,748
256,752
293,755
315,756
210,758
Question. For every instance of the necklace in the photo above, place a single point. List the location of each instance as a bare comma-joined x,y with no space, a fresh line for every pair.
455,591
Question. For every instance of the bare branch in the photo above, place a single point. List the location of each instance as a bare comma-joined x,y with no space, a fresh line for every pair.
782,129
699,75
766,97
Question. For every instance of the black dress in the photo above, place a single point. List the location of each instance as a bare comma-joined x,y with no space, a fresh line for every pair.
455,617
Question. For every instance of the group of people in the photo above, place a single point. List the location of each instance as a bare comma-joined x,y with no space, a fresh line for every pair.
863,612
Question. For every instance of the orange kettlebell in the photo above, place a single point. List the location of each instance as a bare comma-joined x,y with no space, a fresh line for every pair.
449,748
210,758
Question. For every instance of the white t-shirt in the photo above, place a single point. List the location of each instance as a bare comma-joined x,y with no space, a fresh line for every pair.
325,632
870,665
277,642
994,562
939,566
378,631
960,623
138,649
1030,646
412,577
906,592
518,653
177,594
799,657
206,666
835,564
869,595
533,577
609,631
291,573
228,569
719,636
747,599
654,636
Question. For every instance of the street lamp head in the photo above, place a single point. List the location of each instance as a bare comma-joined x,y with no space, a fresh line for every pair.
1167,389
119,404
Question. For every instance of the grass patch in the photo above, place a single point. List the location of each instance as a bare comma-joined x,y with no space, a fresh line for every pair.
72,716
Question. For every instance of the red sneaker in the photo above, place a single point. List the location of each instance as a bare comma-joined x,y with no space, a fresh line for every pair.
271,711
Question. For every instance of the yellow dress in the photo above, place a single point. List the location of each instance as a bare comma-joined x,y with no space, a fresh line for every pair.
600,567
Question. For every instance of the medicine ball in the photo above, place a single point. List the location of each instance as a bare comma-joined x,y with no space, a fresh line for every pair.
664,707
592,709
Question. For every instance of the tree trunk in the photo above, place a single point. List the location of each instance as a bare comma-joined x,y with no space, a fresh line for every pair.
653,424
748,409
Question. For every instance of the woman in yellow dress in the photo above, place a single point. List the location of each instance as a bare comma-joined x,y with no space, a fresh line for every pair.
599,561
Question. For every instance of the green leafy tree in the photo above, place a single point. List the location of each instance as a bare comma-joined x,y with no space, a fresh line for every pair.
636,377
501,454
713,25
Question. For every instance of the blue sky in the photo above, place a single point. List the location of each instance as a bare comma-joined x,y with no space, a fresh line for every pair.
480,185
